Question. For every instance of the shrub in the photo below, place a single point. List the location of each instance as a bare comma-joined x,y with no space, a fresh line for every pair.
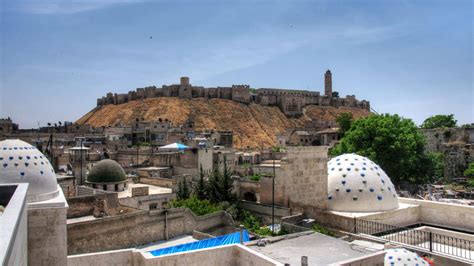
197,206
322,230
255,177
469,172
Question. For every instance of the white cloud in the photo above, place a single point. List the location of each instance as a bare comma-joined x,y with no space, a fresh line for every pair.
66,6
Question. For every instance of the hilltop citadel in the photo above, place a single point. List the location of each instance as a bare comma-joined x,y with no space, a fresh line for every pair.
290,102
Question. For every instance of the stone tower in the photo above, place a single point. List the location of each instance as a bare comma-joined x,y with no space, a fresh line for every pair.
328,83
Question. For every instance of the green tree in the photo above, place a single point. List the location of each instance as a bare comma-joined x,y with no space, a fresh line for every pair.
227,184
438,121
183,190
345,121
220,185
213,187
437,159
201,188
393,142
469,173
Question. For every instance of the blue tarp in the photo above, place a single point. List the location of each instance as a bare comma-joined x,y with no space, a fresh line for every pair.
233,238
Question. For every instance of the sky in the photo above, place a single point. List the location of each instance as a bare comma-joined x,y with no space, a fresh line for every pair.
412,58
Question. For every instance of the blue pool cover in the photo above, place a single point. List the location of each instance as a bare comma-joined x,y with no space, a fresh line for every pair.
233,238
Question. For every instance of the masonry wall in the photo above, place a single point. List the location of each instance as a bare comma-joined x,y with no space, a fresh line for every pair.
138,228
143,202
226,255
291,102
301,179
264,211
47,236
85,205
444,214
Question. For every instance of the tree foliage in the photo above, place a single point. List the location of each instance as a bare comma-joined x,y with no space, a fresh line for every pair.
437,159
201,187
393,142
469,172
183,190
197,206
345,121
439,121
220,184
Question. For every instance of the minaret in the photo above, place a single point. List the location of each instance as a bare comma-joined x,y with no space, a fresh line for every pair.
328,83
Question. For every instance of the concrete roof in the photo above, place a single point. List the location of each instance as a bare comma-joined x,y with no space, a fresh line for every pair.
152,190
153,168
320,250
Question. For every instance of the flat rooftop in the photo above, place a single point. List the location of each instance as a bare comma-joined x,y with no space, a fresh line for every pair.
320,250
362,214
153,168
152,190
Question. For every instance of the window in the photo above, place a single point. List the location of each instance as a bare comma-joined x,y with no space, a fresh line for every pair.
116,187
104,187
153,206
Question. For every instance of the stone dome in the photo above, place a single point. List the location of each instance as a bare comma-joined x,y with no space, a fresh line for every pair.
401,256
356,184
106,171
21,162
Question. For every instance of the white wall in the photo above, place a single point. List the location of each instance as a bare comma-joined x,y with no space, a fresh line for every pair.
444,214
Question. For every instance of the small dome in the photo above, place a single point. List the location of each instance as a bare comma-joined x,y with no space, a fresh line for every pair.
20,162
106,171
401,256
356,184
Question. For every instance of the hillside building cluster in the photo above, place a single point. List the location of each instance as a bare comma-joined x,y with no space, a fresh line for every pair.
290,102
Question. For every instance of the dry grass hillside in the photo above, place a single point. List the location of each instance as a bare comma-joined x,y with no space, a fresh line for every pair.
253,125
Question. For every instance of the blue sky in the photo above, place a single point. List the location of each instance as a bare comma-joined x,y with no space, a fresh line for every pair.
414,58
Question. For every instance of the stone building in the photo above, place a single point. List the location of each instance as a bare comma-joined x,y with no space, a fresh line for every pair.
46,206
455,144
7,126
291,102
107,175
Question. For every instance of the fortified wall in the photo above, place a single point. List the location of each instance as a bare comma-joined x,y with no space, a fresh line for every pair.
291,102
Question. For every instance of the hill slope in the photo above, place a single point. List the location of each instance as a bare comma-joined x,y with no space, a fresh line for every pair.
254,124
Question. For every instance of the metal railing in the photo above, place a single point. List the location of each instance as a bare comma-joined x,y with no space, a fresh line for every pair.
425,240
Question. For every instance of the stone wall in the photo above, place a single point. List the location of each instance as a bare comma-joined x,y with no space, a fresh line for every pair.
47,234
140,191
291,102
264,211
301,179
456,145
154,201
139,228
444,214
159,182
67,185
231,255
85,205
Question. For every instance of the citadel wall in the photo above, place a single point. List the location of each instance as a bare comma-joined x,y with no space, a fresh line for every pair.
290,102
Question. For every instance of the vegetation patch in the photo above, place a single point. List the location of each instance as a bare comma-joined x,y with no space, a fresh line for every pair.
322,230
197,206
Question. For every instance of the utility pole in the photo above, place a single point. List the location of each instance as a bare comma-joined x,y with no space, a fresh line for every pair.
273,194
138,149
82,181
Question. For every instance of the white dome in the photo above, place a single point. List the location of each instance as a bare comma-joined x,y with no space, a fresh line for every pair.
20,162
356,184
401,256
